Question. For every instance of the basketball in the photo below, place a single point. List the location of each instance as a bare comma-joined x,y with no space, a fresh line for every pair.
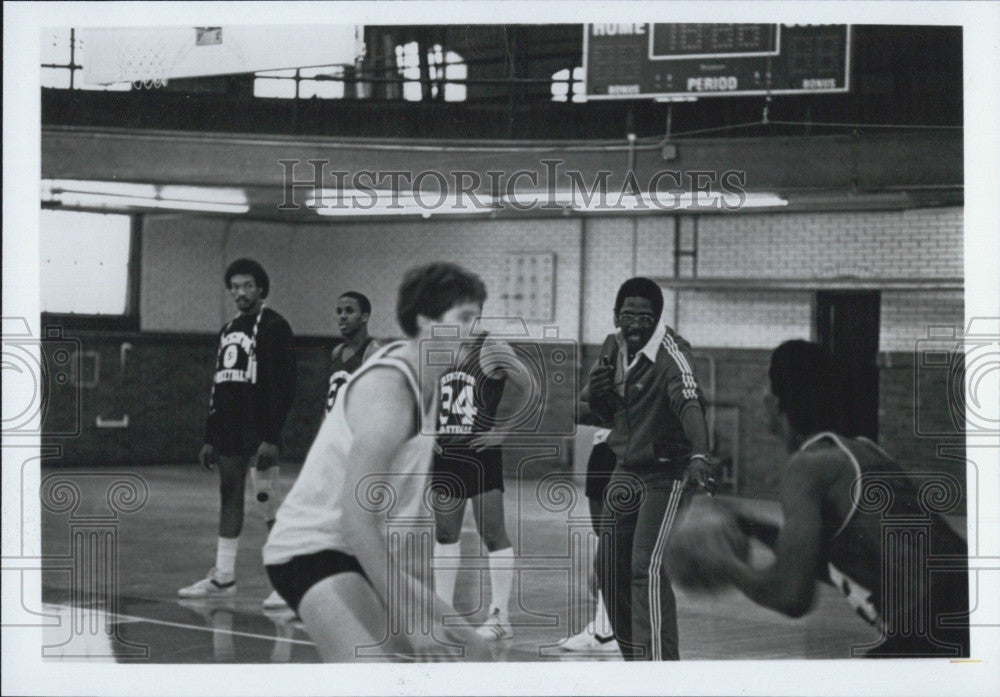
706,535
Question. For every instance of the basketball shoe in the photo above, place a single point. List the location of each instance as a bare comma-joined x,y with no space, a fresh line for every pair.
215,585
496,627
589,641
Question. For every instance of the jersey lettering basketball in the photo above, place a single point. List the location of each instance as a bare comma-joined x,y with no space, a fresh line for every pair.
469,397
236,361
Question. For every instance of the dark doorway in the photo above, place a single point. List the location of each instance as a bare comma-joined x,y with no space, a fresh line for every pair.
847,324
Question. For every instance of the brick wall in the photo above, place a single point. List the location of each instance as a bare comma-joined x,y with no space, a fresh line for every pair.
742,320
183,303
924,243
906,317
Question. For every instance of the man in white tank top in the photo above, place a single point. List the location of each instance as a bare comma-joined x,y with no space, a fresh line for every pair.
351,548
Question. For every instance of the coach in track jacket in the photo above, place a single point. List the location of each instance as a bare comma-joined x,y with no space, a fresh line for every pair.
644,388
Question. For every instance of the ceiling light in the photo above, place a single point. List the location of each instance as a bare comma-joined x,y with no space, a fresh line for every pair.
373,202
121,195
75,199
618,202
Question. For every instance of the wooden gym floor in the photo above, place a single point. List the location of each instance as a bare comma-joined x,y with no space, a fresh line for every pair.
170,542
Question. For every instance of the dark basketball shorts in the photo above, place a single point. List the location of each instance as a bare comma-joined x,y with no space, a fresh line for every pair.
294,578
460,472
600,465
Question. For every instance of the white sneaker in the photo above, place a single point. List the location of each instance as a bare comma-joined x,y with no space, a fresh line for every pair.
589,641
212,586
275,602
495,628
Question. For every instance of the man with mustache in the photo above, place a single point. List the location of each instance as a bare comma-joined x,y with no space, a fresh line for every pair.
252,391
644,388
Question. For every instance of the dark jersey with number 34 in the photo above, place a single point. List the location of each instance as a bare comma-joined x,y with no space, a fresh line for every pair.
469,398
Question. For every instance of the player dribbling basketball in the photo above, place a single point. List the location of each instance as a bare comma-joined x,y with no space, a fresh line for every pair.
840,498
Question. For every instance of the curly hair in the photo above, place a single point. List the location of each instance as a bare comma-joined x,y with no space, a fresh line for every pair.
433,289
804,379
640,287
249,267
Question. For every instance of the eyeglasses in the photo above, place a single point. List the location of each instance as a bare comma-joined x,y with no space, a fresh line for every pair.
639,320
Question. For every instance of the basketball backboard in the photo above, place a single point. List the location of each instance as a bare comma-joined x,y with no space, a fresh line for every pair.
112,55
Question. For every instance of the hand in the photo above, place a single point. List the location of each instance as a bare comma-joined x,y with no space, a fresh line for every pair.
486,439
267,455
601,380
458,642
703,472
207,457
496,356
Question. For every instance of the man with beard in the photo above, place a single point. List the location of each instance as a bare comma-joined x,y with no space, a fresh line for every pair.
252,391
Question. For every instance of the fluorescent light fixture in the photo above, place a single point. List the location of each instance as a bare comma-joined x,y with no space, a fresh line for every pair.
73,199
616,202
205,194
122,195
376,202
97,187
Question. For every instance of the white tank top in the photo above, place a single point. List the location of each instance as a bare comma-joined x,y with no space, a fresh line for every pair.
311,517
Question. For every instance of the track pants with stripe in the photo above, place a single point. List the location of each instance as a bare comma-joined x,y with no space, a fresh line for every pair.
641,508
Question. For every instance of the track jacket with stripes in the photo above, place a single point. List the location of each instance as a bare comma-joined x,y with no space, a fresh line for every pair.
660,419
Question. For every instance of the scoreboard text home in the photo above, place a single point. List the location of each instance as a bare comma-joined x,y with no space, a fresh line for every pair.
632,61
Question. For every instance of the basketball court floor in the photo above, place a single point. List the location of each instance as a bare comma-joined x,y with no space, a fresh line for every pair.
170,542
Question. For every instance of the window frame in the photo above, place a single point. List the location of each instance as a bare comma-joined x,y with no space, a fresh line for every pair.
127,320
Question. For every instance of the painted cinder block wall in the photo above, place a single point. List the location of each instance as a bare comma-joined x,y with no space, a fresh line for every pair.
183,302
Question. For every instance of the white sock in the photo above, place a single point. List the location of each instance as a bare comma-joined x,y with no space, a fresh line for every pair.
501,578
602,624
225,556
444,578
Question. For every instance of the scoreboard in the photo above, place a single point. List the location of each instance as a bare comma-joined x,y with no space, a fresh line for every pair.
648,61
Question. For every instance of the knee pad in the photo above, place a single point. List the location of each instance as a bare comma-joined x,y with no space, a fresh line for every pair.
265,491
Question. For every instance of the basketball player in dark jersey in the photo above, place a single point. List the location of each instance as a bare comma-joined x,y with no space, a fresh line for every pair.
468,464
853,517
353,310
252,391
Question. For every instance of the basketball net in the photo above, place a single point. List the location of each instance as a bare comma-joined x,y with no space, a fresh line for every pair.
146,57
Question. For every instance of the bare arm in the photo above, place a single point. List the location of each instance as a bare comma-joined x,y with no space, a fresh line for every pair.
381,414
788,584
